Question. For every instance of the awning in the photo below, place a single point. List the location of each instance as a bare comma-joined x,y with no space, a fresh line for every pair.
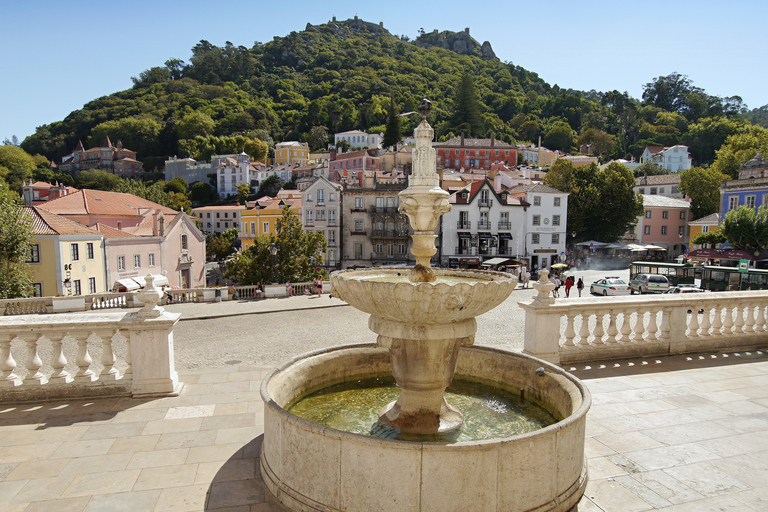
592,243
724,254
463,235
505,236
485,235
160,280
495,261
125,285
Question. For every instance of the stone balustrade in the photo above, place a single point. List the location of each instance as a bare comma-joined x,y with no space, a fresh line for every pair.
580,330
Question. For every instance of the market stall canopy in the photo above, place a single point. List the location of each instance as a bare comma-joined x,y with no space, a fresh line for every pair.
160,280
654,248
615,246
125,285
592,242
495,262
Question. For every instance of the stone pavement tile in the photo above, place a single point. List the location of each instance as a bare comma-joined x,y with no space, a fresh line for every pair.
235,493
595,429
688,433
668,418
653,405
258,408
230,387
706,479
190,378
8,490
235,469
255,385
63,434
667,487
229,409
134,444
102,483
37,469
235,420
608,411
96,464
186,440
77,504
211,378
5,469
247,396
669,456
168,426
709,412
25,453
755,498
603,467
749,470
158,458
729,503
629,441
139,415
197,389
594,448
43,489
722,396
182,499
250,376
21,437
217,452
190,411
206,471
744,424
167,476
611,495
114,430
241,435
587,505
627,423
178,401
639,489
83,448
226,398
124,501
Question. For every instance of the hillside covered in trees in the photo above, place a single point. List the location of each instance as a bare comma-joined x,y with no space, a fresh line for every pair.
349,74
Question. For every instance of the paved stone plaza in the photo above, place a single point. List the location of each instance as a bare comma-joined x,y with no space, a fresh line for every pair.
679,434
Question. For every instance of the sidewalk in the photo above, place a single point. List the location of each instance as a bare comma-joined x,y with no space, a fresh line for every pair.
204,310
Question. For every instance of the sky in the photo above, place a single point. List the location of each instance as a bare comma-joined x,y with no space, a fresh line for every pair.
57,55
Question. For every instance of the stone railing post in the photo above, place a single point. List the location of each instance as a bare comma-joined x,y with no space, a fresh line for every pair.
542,324
151,342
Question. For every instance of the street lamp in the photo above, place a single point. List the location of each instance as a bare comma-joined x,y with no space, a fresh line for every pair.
273,252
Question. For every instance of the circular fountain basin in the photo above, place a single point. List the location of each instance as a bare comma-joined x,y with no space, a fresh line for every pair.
310,467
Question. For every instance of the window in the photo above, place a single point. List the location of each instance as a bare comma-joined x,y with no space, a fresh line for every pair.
309,197
226,215
535,238
358,226
401,249
665,214
184,243
309,216
89,250
38,289
555,238
151,259
218,224
661,190
390,250
91,285
253,228
75,249
733,203
34,254
680,230
320,196
218,215
78,288
536,200
765,200
137,261
557,201
749,201
647,230
358,203
663,230
682,215
358,251
208,215
121,263
537,220
647,214
332,196
555,220
320,215
265,227
641,191
653,191
331,237
705,229
331,215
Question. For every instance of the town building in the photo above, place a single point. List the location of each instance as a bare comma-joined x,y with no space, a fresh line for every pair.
751,189
39,192
703,225
466,153
664,224
220,218
131,256
673,158
260,217
359,139
373,231
579,160
231,172
321,202
546,223
538,156
182,255
291,152
662,185
66,257
481,224
349,167
113,159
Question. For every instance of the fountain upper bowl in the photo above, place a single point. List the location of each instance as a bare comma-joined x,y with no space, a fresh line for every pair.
456,294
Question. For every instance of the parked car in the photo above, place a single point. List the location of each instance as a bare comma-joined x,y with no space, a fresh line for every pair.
609,286
684,288
649,283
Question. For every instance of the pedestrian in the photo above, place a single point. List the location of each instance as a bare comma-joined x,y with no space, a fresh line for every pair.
233,291
568,284
289,289
580,286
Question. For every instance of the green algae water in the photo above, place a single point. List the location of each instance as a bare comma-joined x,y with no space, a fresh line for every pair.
489,412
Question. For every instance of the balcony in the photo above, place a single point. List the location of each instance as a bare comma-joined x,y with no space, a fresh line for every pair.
484,224
485,203
464,224
383,209
309,222
466,251
331,223
505,225
331,243
355,231
388,233
320,202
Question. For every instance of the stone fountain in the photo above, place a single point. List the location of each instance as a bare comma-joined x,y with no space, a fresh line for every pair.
425,322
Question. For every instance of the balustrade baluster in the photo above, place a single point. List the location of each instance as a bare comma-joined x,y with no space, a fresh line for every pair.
652,326
666,326
749,324
717,321
738,323
7,363
83,360
599,331
109,372
33,363
760,319
60,375
626,328
569,332
639,328
128,373
612,330
584,330
693,323
728,321
705,322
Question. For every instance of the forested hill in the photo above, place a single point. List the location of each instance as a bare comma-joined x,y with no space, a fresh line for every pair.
344,75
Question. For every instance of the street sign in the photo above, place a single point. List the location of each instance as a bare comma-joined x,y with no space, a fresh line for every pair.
743,266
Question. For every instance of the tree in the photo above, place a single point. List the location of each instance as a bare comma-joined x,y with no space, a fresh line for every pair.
739,148
703,187
668,92
602,143
257,149
746,229
16,166
243,191
195,124
269,187
201,192
15,239
299,255
710,238
220,246
466,108
136,133
178,185
707,135
317,137
97,179
392,130
559,137
602,205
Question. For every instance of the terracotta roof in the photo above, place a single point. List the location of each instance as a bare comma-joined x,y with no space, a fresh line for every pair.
47,223
99,202
110,232
222,207
658,179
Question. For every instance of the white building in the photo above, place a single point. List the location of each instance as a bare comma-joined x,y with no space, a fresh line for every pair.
659,185
674,159
230,173
546,222
322,212
359,139
218,219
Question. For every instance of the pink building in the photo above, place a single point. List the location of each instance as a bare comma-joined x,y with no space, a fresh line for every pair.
114,159
346,167
664,224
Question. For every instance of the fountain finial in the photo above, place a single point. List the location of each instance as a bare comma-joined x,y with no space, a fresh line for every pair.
424,108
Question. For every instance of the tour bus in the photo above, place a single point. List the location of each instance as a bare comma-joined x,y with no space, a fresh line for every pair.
676,273
730,279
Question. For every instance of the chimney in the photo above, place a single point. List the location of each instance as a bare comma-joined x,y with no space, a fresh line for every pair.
462,138
493,136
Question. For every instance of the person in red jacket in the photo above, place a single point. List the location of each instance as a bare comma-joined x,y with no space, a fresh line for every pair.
568,284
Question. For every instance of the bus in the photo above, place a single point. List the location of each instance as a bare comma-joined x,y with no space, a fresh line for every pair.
730,279
677,273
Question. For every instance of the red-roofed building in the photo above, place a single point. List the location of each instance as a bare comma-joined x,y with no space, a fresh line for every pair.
39,192
113,159
460,152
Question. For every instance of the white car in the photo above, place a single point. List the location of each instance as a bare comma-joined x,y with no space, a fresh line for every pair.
609,286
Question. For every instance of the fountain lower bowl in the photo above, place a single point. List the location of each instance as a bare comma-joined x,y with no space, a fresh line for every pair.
310,467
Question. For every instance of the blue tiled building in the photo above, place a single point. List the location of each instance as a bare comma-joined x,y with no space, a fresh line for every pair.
751,189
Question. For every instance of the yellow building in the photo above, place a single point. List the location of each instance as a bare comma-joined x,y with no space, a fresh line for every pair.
291,152
262,218
702,225
66,257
